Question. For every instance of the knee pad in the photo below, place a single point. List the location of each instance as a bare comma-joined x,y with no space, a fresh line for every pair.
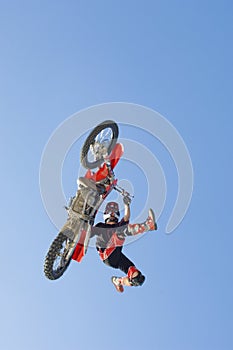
135,281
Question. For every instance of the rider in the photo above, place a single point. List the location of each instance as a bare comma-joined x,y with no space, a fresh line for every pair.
110,239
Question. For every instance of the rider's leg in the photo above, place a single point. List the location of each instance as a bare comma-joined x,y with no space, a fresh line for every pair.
124,265
148,225
118,260
133,278
133,275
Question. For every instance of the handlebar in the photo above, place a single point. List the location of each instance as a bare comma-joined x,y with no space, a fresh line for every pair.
123,192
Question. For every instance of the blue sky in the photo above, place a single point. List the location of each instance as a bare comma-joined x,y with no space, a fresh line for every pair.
175,57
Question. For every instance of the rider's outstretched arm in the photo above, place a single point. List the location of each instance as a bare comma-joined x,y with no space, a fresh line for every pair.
127,202
148,225
127,212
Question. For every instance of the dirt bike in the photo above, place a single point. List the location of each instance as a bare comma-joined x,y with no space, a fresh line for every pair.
101,151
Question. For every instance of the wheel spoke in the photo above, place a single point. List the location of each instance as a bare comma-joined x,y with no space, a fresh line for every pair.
59,262
105,136
100,145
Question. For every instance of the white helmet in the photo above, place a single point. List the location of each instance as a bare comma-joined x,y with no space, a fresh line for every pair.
111,207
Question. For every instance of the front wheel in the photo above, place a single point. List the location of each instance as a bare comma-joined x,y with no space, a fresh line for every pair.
100,142
55,261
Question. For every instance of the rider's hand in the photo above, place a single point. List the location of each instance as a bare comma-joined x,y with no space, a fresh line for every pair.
126,200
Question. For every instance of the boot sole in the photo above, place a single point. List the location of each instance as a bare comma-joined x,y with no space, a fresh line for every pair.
152,214
118,288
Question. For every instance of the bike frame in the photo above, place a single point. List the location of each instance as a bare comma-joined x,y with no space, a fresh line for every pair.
104,172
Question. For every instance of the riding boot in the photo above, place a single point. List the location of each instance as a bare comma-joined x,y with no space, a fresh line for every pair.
148,225
117,282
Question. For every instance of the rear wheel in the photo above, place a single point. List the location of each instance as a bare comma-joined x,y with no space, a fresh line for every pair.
55,262
99,143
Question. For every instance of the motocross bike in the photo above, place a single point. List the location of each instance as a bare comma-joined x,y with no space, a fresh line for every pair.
101,151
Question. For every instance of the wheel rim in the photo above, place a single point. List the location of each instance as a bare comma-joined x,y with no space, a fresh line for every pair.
101,144
60,262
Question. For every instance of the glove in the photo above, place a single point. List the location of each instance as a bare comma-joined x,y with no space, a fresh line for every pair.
126,200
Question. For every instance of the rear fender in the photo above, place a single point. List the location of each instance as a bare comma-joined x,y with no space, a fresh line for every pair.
114,158
116,154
